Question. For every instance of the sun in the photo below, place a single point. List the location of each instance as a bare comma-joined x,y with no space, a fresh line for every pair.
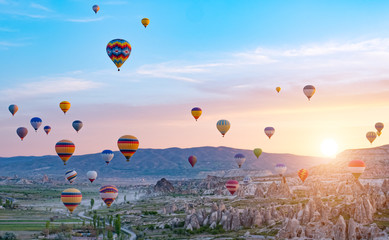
329,147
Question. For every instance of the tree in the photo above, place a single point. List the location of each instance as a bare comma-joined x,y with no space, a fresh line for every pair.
110,235
47,224
92,202
117,224
9,236
125,198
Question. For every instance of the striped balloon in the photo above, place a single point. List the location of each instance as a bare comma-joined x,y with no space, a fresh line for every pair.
118,50
356,167
371,136
65,106
47,129
240,159
36,123
128,145
71,175
223,126
77,125
22,132
13,109
280,168
107,156
65,149
309,90
232,186
379,126
303,174
196,112
108,193
192,160
71,198
269,131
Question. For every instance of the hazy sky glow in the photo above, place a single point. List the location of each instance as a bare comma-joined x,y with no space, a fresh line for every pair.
226,57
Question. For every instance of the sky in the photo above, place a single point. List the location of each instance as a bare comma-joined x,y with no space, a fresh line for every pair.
226,57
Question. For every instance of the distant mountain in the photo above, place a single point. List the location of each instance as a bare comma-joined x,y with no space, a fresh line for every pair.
376,160
171,162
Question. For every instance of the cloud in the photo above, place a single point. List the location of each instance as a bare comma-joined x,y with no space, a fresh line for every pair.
3,29
10,44
40,7
85,20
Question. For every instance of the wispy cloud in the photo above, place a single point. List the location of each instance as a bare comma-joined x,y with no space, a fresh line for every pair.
40,7
3,29
10,44
85,20
115,3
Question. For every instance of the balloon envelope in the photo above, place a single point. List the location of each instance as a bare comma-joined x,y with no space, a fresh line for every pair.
65,106
13,109
145,22
71,198
22,132
118,51
91,175
128,145
232,186
196,112
192,160
257,152
247,179
223,126
269,131
309,90
371,136
303,174
47,129
36,123
379,126
107,156
280,168
278,89
356,167
108,193
77,125
240,159
95,8
65,149
71,175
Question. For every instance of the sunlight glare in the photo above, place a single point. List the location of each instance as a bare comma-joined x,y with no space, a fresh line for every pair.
329,147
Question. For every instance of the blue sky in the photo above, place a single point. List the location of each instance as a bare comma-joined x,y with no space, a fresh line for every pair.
225,56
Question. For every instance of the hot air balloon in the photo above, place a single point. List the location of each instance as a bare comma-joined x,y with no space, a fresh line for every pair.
96,8
145,22
128,145
303,174
232,186
247,179
257,152
309,90
379,126
13,109
371,136
47,129
22,132
280,169
77,125
65,106
108,193
356,167
269,131
118,51
36,123
240,159
192,160
223,126
107,156
71,175
278,89
71,198
196,112
65,149
91,175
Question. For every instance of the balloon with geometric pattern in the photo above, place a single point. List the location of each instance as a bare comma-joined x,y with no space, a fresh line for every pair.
303,174
65,149
239,159
107,155
269,131
71,198
128,145
371,136
118,51
223,126
379,126
108,193
36,123
71,176
47,129
95,8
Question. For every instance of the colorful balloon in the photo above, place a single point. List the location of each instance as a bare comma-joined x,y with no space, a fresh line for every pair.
303,174
128,145
232,186
379,126
36,123
269,131
257,152
91,175
95,8
223,126
22,132
13,109
65,106
107,156
77,125
247,179
118,51
309,90
47,129
192,160
280,168
356,167
278,89
65,149
240,159
145,22
108,193
71,175
196,112
371,136
71,198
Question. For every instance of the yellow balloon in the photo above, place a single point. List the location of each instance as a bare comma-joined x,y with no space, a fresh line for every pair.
223,126
145,22
278,89
257,152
